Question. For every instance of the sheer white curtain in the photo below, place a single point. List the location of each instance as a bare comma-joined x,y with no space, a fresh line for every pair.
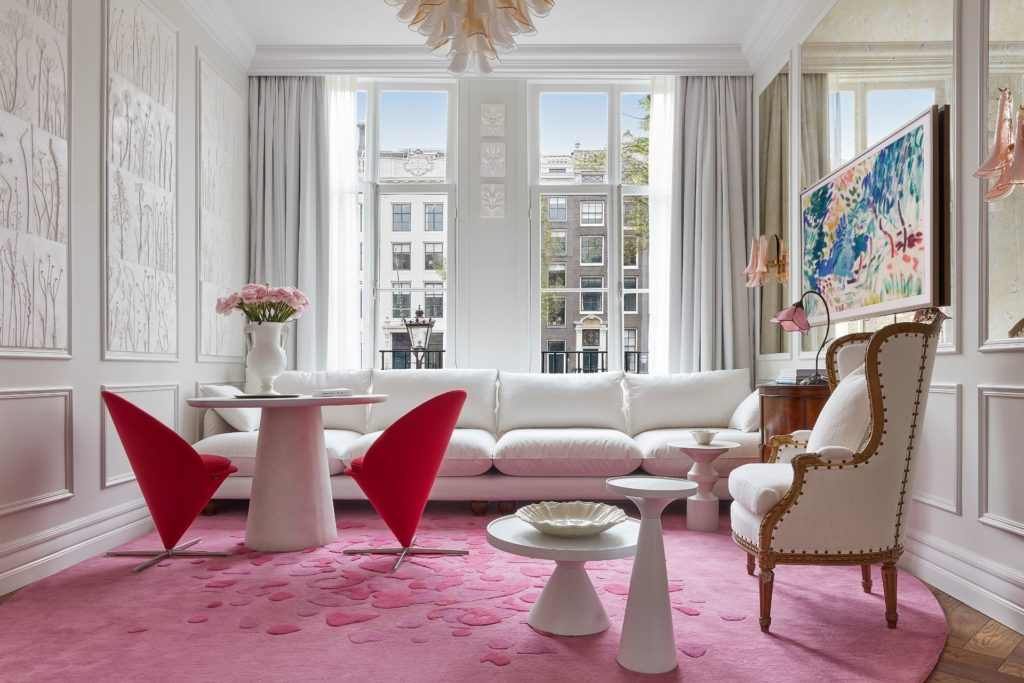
343,321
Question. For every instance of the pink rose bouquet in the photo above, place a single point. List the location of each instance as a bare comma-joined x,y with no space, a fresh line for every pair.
265,304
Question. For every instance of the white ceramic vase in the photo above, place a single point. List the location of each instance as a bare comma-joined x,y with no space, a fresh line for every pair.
266,359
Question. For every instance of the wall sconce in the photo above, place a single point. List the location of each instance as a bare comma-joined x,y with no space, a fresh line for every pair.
1002,163
761,269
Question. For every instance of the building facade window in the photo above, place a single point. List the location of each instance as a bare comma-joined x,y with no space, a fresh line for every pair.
554,310
629,296
401,301
433,300
433,213
401,256
558,240
591,302
592,250
433,256
558,209
556,275
592,213
630,250
401,217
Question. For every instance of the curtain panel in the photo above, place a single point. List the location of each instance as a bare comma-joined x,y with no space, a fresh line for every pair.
290,198
773,157
702,219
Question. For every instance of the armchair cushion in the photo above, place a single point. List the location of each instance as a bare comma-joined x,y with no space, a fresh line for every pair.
758,487
845,420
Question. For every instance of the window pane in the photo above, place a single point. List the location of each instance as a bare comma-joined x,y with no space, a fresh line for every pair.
434,216
413,136
558,238
556,275
433,301
401,217
433,256
553,310
573,138
591,250
361,133
591,302
635,125
592,213
557,210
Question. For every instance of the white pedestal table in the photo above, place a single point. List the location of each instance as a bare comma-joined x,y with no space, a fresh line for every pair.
702,507
290,507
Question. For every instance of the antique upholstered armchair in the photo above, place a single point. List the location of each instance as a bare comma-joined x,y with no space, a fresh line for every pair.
839,493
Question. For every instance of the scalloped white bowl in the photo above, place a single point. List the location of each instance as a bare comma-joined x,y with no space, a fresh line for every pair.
571,519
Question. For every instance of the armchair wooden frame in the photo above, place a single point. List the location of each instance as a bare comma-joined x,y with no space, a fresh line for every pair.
765,554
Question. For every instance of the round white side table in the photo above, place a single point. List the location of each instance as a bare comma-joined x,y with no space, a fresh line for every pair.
290,507
647,644
702,508
568,604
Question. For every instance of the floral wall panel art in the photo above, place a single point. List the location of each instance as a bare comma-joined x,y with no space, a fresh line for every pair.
873,231
223,234
141,191
34,183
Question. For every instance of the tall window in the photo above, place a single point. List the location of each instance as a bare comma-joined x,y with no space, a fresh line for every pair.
558,240
556,275
401,300
558,210
591,302
401,256
433,300
591,213
434,217
401,217
592,250
433,256
629,302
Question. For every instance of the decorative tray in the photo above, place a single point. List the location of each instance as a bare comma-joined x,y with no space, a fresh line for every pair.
571,519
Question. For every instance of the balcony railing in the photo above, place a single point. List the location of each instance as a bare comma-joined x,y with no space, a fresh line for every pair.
561,362
433,359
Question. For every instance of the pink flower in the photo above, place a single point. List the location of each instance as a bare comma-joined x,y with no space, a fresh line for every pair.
225,305
254,294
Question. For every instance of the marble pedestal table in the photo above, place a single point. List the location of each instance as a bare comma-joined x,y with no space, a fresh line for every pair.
291,506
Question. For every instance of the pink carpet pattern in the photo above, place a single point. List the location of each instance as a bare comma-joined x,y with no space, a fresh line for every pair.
320,615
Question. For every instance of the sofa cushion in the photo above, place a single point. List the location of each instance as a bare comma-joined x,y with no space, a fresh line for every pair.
566,453
469,452
845,420
747,416
352,418
662,460
759,487
684,400
242,419
406,389
240,449
533,401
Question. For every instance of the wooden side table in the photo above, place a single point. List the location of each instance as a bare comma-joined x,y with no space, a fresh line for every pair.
785,408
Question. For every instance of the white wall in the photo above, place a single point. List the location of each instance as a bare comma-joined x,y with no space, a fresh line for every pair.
105,507
970,450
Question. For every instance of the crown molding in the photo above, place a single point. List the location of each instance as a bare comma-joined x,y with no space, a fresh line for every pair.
770,25
878,58
222,24
525,60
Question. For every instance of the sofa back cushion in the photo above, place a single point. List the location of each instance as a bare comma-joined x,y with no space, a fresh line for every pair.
845,420
352,418
700,399
406,389
535,401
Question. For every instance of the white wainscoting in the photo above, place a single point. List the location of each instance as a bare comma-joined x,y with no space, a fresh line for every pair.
1000,460
38,466
939,465
159,400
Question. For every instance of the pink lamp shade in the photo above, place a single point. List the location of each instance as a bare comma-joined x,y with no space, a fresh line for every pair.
751,268
1002,144
793,319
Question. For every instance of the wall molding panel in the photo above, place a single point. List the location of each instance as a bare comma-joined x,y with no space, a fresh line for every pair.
953,417
987,396
35,430
110,445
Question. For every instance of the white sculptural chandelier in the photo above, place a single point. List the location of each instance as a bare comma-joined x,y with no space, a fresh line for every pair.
472,31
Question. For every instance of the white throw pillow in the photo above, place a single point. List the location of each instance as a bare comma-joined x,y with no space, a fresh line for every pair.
747,416
352,418
242,419
845,420
407,389
699,399
535,401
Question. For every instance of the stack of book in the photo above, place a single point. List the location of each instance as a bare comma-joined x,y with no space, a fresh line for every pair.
332,393
793,375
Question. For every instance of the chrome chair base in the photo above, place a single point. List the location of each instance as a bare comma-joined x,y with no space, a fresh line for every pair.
403,552
157,555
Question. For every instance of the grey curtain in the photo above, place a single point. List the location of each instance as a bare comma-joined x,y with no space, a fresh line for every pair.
773,156
715,327
289,191
815,160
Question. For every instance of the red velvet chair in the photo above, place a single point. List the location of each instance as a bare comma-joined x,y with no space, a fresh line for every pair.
176,481
398,471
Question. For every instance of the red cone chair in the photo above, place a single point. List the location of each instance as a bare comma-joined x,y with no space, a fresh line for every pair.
176,481
398,471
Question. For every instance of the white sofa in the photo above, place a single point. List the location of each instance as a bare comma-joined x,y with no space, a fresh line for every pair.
520,436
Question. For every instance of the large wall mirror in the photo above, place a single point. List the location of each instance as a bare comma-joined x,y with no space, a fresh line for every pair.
773,200
1005,255
867,69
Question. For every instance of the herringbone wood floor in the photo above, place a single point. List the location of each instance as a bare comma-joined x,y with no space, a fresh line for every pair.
978,650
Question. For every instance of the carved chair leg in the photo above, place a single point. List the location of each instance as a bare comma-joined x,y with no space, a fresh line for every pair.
766,584
478,507
211,508
865,577
507,507
889,588
750,563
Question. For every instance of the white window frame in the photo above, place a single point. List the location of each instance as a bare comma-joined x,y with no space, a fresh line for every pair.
565,310
427,252
427,215
604,243
558,266
604,211
600,291
563,235
629,233
631,291
409,224
565,207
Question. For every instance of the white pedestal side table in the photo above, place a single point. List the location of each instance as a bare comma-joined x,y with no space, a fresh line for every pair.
702,507
568,604
290,507
647,644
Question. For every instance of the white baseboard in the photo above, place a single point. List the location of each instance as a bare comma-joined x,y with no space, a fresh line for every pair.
967,577
109,531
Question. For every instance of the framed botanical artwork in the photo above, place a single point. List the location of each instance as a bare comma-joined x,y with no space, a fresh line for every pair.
875,231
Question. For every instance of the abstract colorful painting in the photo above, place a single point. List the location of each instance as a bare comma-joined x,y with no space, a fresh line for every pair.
872,231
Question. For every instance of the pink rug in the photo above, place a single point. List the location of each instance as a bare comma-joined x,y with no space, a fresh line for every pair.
321,615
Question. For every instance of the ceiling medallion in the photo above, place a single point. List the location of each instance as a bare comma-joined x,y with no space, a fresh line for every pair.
473,31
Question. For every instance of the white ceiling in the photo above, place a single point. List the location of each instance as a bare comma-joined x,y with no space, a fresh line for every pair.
571,22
